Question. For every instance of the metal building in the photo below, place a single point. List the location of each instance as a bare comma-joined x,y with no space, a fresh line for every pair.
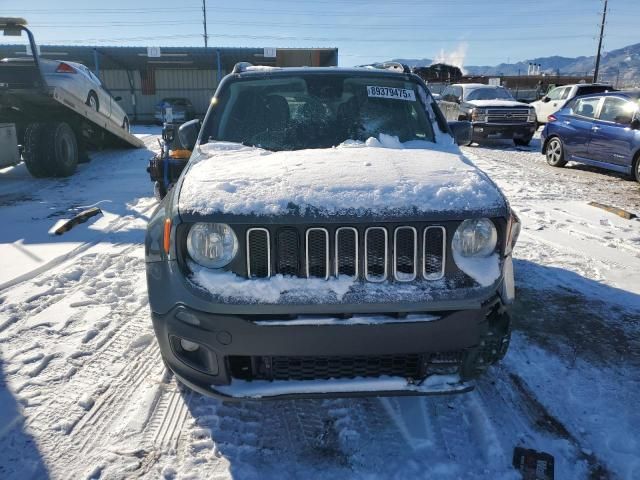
143,76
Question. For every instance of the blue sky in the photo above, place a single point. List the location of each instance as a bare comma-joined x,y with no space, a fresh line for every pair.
477,32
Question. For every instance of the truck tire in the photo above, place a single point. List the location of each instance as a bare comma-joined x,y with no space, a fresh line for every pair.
60,149
33,153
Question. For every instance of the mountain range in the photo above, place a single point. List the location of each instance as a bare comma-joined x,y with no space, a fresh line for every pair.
620,66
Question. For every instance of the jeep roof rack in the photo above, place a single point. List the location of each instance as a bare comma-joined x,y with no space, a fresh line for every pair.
241,67
392,66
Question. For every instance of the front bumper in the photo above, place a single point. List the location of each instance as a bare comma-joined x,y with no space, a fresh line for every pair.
496,130
224,338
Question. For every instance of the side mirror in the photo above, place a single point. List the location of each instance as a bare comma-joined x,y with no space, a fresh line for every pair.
188,133
546,99
117,99
635,124
461,131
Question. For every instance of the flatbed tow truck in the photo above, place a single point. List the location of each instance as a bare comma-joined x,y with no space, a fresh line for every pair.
46,126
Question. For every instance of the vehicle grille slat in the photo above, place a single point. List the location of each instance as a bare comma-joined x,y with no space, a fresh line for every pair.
288,252
347,251
317,253
405,251
376,248
258,253
434,252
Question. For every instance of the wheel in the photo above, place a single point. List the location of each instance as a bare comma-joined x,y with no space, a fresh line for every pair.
125,125
33,151
522,142
92,101
60,151
636,168
555,153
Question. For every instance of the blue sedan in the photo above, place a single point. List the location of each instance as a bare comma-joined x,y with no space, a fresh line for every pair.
602,130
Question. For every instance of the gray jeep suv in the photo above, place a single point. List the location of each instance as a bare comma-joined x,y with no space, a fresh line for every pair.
327,237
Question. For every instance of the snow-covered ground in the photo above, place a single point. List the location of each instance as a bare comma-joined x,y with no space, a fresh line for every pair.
84,394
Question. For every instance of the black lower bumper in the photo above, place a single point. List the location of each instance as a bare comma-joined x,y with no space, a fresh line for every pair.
237,356
522,131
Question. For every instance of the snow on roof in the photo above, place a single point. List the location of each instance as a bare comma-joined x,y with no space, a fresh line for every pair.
354,178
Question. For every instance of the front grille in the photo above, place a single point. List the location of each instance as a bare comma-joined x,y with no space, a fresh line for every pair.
507,115
413,365
374,254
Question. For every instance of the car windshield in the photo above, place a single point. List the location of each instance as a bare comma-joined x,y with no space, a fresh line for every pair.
497,93
317,111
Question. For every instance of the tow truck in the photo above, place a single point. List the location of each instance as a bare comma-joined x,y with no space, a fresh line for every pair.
47,126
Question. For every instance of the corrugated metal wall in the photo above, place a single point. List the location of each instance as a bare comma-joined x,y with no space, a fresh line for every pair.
196,85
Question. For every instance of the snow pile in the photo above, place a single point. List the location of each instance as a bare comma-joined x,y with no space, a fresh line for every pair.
379,176
484,270
264,388
267,290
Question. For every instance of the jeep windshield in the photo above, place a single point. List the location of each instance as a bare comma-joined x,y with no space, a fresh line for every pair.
497,93
305,111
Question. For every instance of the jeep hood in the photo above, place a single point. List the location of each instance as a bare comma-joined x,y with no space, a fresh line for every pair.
352,179
496,103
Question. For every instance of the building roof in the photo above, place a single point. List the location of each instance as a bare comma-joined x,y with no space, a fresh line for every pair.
136,58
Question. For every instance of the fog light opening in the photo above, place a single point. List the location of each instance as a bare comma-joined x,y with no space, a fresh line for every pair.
188,345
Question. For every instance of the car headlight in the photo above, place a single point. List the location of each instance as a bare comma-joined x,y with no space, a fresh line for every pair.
212,245
532,115
475,238
479,115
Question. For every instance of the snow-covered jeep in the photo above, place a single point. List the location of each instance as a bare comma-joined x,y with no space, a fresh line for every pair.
327,237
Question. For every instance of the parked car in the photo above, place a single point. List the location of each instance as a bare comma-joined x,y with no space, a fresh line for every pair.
600,130
182,110
491,109
80,82
558,97
327,237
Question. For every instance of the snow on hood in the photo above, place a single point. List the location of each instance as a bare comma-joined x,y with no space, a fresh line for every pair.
355,177
496,103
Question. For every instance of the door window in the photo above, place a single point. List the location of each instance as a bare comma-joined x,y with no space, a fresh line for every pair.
586,107
556,93
618,110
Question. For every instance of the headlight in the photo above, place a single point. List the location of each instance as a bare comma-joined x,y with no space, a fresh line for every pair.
532,115
479,115
212,245
475,238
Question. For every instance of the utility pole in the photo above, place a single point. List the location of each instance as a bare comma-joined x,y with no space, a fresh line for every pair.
204,22
604,18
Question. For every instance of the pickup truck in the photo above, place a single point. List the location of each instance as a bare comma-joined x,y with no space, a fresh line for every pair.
558,97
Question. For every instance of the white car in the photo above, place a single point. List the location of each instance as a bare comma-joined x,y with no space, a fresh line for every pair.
86,87
558,97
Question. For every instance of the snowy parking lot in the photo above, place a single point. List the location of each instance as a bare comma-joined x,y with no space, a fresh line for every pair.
84,393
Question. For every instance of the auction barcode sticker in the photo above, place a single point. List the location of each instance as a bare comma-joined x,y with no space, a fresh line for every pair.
391,92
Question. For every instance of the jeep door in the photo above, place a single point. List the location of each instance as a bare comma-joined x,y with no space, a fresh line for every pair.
612,139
